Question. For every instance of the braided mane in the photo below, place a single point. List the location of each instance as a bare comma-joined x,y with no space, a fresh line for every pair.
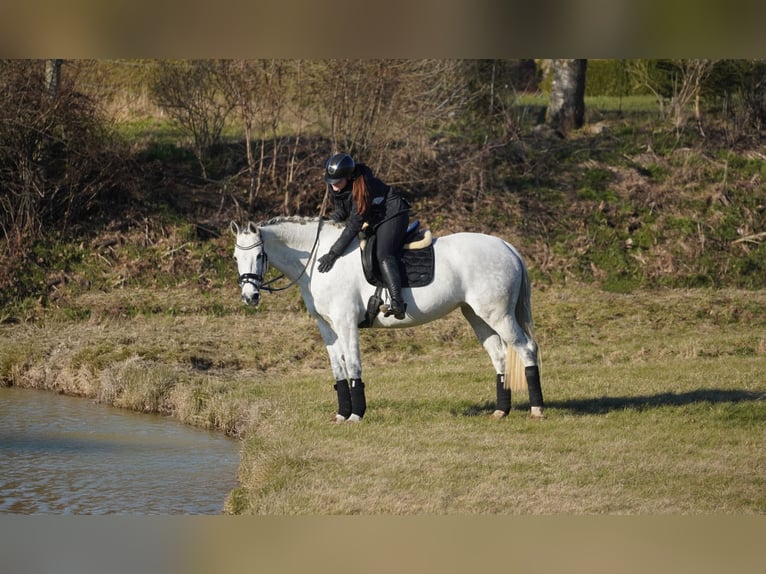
299,219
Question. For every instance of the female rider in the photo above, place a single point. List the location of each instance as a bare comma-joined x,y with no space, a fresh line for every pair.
359,197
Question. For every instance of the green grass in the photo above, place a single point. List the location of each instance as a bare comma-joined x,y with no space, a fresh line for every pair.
639,427
655,401
655,398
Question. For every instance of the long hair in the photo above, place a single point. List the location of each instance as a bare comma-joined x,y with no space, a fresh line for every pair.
359,193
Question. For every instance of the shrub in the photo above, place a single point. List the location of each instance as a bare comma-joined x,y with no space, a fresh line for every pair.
57,158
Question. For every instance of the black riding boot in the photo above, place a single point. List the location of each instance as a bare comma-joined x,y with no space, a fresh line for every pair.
389,270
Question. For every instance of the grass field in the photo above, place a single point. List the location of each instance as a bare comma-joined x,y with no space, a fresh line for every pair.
655,401
655,405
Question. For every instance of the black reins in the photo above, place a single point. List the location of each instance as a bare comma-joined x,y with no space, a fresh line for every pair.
256,279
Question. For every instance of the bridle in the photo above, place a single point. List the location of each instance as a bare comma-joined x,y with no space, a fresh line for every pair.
256,279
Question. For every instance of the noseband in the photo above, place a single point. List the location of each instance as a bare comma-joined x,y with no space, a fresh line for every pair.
254,279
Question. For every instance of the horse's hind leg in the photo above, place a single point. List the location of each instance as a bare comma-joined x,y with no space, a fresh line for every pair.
535,391
493,344
496,338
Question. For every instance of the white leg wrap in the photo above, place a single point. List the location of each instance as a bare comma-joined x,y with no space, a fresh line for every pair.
537,413
354,418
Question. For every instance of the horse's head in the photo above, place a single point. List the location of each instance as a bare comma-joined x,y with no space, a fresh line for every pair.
252,261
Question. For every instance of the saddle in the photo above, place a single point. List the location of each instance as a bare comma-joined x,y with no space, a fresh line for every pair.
416,265
416,260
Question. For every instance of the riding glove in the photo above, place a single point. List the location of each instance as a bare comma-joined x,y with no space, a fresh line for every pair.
327,261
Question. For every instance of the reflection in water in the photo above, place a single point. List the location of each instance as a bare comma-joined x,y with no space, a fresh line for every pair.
66,455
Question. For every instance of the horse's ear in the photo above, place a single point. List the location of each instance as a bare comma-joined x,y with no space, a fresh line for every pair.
234,228
252,227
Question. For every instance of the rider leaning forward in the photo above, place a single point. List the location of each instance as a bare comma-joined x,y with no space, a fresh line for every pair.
359,197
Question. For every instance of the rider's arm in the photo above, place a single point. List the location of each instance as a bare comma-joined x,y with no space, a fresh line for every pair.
353,226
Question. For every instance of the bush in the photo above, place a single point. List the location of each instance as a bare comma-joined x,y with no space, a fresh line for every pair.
56,159
608,78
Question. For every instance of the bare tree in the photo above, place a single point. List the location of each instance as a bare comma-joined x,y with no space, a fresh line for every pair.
686,88
640,72
267,94
387,111
299,112
566,108
357,99
677,88
190,92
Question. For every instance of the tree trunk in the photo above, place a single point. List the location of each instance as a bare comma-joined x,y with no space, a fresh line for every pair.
53,76
566,107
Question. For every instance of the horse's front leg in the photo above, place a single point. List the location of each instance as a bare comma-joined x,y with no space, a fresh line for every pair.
343,350
348,338
337,364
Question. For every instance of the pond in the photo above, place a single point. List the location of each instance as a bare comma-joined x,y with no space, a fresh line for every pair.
68,455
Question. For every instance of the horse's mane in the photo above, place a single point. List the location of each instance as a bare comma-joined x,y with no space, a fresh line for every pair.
299,219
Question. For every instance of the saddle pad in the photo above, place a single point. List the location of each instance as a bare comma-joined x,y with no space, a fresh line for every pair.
416,266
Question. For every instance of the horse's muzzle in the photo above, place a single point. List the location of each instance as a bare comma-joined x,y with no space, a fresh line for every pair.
251,296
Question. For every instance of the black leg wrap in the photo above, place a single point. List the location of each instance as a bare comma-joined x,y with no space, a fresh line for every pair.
533,383
358,401
503,395
344,398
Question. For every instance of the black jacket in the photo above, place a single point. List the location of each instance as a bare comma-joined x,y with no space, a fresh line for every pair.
385,202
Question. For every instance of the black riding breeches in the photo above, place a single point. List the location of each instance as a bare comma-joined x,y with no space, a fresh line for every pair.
390,235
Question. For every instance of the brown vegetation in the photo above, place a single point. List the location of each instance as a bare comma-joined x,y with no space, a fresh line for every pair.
128,296
636,198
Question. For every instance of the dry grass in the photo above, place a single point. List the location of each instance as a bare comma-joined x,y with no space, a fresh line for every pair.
655,405
676,442
655,402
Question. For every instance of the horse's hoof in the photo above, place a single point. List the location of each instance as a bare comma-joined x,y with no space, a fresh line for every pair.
354,419
536,413
498,414
337,419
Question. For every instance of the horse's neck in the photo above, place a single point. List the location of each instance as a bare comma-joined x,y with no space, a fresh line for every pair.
289,245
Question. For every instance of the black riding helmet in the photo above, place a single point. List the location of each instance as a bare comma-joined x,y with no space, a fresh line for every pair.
338,167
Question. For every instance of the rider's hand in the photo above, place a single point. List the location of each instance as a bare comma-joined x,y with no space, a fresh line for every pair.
327,261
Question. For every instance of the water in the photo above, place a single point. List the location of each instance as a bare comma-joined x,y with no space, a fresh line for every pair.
67,455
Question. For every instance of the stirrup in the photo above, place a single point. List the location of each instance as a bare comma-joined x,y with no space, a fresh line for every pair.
388,310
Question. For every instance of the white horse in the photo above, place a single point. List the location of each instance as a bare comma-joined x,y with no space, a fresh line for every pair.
482,275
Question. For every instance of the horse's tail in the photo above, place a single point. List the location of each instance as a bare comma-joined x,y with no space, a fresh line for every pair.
515,378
